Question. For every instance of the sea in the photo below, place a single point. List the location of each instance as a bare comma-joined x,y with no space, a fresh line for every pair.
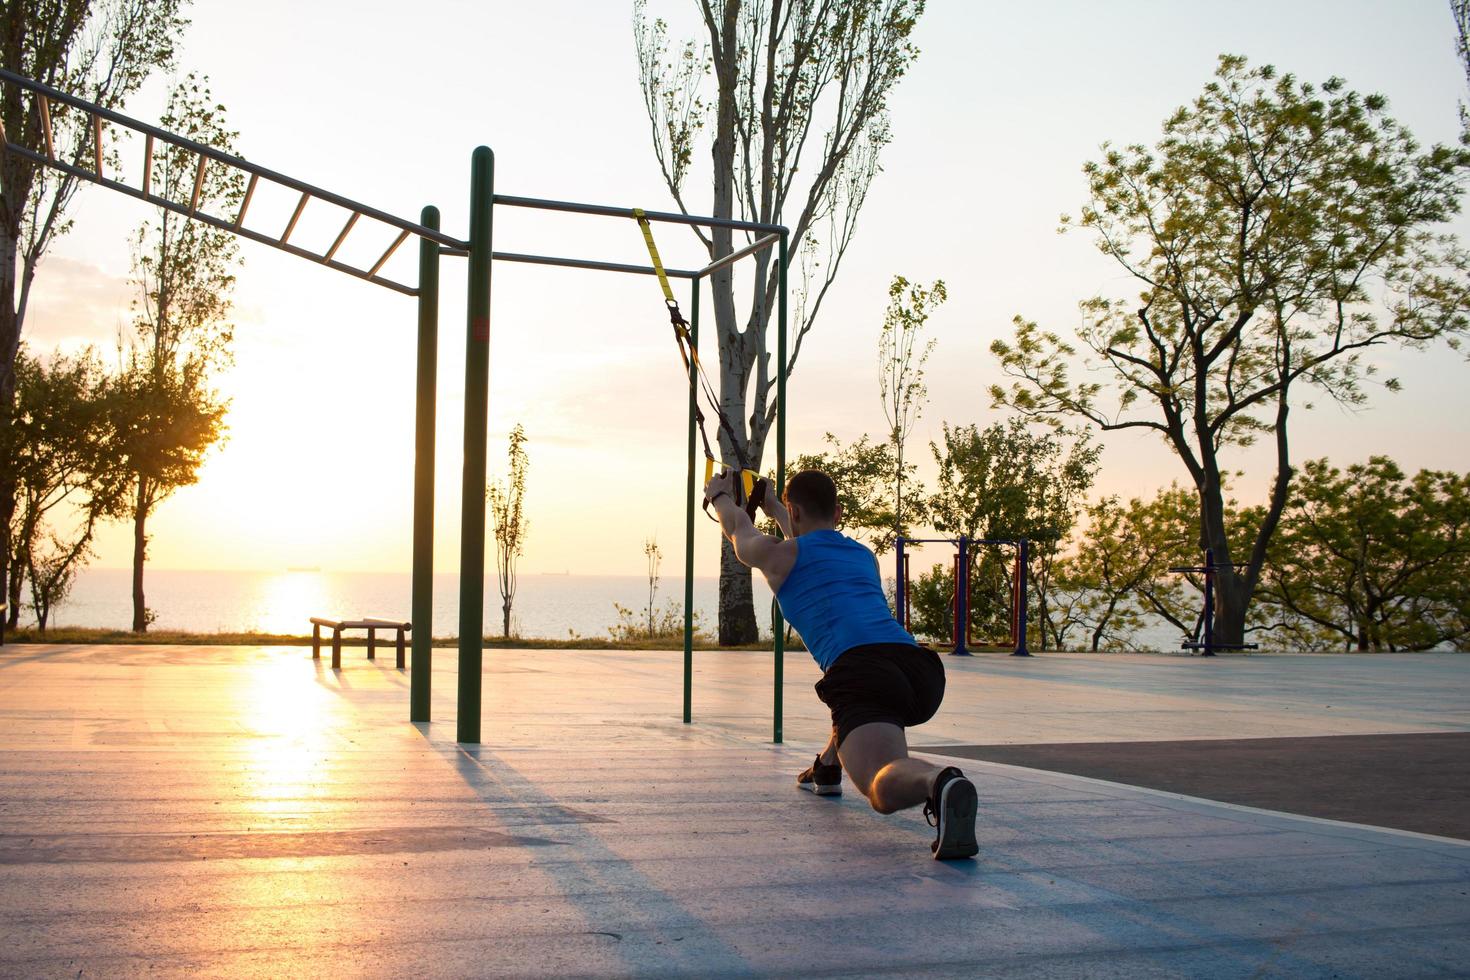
546,606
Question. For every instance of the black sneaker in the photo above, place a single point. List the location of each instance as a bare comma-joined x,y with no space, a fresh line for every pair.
824,780
950,809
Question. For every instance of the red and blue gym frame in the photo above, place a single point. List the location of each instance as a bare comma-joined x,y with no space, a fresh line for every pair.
961,630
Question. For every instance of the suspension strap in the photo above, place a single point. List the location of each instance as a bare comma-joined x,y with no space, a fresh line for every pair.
750,489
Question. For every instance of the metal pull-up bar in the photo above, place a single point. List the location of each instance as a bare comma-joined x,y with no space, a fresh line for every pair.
44,96
433,244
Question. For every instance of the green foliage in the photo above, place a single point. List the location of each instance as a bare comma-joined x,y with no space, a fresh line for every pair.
666,623
102,52
861,470
1461,11
509,520
64,457
1278,232
165,423
1373,559
99,51
1117,577
901,386
931,604
1006,482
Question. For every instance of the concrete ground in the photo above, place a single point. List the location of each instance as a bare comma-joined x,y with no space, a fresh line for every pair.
216,811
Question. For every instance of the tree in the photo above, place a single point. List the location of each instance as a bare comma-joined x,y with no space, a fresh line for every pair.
1460,9
181,331
861,471
1119,572
1279,234
800,115
64,457
1374,559
931,604
901,385
1005,482
655,555
101,52
511,526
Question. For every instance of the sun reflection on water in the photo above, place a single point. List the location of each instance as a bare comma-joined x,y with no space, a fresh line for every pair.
290,599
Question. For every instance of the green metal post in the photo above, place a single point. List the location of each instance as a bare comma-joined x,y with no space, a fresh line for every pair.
689,517
476,415
778,626
422,663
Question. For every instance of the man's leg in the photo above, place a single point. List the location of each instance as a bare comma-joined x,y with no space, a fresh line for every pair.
824,775
829,754
876,757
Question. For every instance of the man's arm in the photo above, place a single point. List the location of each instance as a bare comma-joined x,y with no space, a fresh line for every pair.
772,556
776,511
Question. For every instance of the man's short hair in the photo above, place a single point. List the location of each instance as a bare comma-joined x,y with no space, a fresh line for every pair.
815,493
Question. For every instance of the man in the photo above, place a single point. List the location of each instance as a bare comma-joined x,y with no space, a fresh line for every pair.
875,679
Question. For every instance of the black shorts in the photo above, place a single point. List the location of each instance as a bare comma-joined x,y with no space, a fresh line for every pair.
889,682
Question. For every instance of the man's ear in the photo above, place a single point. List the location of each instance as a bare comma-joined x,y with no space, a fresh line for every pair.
837,516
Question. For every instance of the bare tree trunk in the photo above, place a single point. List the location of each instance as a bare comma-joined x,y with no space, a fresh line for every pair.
10,574
9,345
505,619
140,554
737,602
13,583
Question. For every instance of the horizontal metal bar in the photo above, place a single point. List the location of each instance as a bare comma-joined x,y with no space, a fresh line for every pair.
47,92
612,212
45,106
642,270
383,259
295,216
738,254
342,236
210,219
245,204
148,165
956,541
198,185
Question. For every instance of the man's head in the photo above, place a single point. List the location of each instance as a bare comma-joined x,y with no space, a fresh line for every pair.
811,500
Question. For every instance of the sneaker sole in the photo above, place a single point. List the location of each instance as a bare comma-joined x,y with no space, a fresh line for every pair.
821,790
957,806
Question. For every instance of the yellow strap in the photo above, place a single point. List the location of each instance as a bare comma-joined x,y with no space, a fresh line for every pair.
747,477
658,263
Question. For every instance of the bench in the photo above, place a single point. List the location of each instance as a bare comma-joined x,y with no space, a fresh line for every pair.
371,625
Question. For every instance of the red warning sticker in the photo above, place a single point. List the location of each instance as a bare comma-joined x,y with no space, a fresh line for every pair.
481,329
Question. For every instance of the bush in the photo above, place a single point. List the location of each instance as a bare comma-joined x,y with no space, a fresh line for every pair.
668,623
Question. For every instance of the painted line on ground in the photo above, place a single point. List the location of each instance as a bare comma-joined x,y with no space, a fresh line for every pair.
1197,803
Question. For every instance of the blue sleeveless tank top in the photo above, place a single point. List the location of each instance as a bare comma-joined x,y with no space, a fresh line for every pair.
834,598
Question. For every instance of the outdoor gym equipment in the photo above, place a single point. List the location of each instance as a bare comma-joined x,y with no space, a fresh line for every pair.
1208,645
961,601
477,250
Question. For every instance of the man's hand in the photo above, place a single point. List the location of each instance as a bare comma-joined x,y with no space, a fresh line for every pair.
721,482
776,510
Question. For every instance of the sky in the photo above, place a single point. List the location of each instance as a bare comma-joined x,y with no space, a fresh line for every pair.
992,126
